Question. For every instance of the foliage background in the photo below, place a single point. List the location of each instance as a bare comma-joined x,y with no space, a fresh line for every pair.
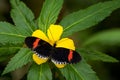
106,71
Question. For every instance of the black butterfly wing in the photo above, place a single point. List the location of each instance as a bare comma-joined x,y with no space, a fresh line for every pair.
41,47
63,55
29,41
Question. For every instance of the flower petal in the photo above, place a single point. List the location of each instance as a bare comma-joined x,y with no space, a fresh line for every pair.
40,34
66,43
54,33
39,60
60,65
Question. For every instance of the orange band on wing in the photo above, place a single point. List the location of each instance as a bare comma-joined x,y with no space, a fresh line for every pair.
70,56
35,44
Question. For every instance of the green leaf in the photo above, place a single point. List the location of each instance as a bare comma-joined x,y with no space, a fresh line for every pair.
109,37
8,49
39,72
49,13
21,58
10,34
80,71
96,55
87,18
22,17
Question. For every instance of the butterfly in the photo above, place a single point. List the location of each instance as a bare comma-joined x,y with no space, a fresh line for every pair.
57,55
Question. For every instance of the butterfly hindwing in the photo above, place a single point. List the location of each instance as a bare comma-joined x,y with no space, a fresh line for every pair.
63,55
41,47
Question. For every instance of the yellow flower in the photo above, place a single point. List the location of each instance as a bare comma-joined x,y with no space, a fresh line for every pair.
54,33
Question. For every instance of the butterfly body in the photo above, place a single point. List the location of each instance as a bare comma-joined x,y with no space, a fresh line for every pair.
58,55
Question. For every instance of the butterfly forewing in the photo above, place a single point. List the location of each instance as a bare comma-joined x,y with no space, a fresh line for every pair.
29,41
63,55
41,47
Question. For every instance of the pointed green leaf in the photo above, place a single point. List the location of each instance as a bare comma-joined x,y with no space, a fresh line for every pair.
39,72
80,71
96,55
109,37
49,13
22,17
10,34
21,58
86,18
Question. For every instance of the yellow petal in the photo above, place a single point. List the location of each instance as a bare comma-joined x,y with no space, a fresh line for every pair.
40,34
54,33
60,65
66,43
39,60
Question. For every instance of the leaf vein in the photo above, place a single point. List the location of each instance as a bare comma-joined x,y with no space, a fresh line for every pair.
84,18
24,18
12,34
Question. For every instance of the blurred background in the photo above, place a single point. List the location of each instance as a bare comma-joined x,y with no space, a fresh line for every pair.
105,71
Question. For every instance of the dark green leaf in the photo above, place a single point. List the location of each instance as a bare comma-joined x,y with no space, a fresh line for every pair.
49,13
21,58
10,34
84,19
96,55
40,72
3,58
109,37
56,73
22,17
80,71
